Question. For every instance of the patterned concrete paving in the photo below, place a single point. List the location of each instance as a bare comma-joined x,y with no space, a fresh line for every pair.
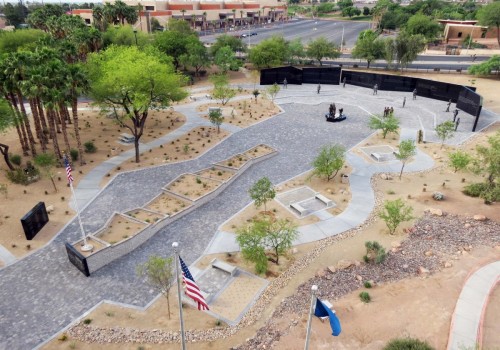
43,292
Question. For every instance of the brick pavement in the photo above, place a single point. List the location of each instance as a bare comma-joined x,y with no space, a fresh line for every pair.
43,292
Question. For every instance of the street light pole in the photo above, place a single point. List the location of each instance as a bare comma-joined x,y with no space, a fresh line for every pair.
314,288
342,40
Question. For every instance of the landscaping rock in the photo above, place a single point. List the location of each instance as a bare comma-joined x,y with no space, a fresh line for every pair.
448,264
422,270
435,212
50,209
332,269
479,217
344,264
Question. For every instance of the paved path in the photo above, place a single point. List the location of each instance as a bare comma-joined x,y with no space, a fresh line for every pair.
469,312
43,292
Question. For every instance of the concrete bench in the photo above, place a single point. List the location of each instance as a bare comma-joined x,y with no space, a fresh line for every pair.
298,207
323,199
328,305
376,156
214,109
221,265
127,138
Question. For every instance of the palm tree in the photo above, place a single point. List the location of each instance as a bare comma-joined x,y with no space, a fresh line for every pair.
204,20
234,16
193,19
241,17
258,21
78,83
98,19
183,12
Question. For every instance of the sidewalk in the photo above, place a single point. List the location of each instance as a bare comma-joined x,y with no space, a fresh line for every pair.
467,321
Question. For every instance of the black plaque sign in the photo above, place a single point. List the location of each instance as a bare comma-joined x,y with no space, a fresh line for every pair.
77,259
470,102
324,75
276,75
34,220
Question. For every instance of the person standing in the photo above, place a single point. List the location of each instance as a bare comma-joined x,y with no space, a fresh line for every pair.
415,94
319,88
455,113
344,81
404,101
285,83
448,107
375,89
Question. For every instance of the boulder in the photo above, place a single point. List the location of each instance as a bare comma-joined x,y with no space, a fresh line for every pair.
332,269
429,253
479,217
50,209
344,264
396,244
435,212
383,176
422,270
467,225
321,273
359,278
448,264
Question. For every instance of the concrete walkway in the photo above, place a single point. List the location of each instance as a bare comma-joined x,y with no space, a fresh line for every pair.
467,321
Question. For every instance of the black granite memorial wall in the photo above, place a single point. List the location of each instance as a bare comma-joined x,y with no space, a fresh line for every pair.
469,101
34,220
77,259
277,75
324,75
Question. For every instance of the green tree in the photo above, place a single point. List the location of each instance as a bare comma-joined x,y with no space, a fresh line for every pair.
196,57
322,48
269,52
406,150
225,60
222,90
394,213
15,14
236,44
404,48
295,51
262,192
251,241
486,67
7,120
175,41
20,39
266,234
47,162
342,4
39,18
368,47
389,124
272,91
124,36
489,15
329,161
487,160
445,131
216,118
459,160
424,25
159,274
128,82
350,12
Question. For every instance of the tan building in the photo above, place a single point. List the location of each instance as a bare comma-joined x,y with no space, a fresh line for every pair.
204,15
455,32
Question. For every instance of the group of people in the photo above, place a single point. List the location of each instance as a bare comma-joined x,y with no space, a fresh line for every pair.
388,110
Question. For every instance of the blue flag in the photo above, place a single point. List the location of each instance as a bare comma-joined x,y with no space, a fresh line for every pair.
323,311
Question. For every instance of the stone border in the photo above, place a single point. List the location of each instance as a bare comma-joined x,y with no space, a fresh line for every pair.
108,254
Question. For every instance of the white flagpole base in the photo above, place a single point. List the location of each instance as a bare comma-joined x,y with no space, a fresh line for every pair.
86,247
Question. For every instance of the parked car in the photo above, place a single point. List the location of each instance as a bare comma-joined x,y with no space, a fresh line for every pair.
253,34
243,35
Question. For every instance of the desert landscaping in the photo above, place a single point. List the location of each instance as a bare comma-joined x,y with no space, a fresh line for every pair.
433,252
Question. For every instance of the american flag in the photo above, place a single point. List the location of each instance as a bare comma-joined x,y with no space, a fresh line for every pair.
68,170
192,289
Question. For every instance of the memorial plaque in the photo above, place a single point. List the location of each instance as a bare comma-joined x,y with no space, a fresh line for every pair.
77,259
277,75
34,220
324,75
469,101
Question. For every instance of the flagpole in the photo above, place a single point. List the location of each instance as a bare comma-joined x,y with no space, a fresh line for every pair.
86,246
314,288
175,245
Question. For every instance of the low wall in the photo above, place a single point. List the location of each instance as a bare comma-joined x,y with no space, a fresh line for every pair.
106,255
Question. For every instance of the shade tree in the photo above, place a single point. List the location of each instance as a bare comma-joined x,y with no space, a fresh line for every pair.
329,161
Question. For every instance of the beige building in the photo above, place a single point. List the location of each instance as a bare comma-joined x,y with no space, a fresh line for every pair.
455,33
208,15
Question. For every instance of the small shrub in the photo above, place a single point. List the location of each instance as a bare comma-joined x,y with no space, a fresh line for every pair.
63,337
476,189
219,173
62,199
365,297
198,180
16,159
438,196
22,177
109,314
374,252
87,321
90,147
74,154
367,285
218,323
407,344
391,192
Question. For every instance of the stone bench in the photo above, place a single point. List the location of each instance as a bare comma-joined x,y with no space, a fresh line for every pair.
298,207
221,265
127,138
323,199
376,156
214,109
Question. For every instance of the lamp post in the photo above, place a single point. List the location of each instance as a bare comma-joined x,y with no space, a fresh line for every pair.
135,34
314,288
342,40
